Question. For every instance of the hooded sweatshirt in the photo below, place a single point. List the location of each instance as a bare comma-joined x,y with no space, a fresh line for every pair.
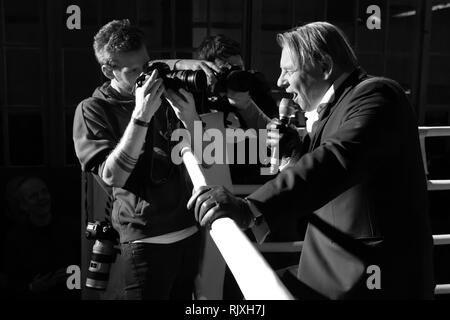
153,200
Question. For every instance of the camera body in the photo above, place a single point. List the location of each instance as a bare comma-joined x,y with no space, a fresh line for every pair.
233,78
193,81
103,253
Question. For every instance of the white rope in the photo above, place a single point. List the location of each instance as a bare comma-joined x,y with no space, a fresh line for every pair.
434,131
441,239
255,277
442,289
434,185
295,246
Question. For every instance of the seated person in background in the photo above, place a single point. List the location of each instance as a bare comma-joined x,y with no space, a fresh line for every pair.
249,96
40,246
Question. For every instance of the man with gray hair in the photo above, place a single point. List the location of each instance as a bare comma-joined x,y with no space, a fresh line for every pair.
356,175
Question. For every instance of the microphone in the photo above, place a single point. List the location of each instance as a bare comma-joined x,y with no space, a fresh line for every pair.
285,110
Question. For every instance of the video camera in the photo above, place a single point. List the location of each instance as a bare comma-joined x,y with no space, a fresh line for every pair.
103,253
193,81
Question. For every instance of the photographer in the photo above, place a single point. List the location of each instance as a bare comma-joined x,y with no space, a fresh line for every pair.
123,134
249,98
247,95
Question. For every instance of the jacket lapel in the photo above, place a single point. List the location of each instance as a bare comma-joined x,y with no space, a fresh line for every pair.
353,79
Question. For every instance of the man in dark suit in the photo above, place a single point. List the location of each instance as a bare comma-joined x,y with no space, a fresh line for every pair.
356,174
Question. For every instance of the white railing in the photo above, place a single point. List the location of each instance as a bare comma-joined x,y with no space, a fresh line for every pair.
255,277
434,185
295,246
434,131
442,289
441,239
425,132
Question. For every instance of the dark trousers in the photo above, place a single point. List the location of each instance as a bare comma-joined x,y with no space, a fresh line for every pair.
160,271
298,289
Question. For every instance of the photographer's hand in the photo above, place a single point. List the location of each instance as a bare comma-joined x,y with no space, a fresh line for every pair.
121,162
208,67
239,100
148,98
182,102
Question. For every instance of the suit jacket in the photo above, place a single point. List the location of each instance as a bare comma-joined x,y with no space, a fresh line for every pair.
360,180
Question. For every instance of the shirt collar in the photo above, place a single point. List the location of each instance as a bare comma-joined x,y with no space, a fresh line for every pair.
329,96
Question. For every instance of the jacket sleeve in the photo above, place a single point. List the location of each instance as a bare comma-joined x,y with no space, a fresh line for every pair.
254,117
364,141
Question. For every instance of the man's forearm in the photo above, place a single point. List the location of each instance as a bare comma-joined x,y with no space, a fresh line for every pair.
176,64
254,117
170,62
122,160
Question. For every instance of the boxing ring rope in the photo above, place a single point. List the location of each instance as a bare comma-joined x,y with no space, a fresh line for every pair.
434,131
425,132
436,185
255,277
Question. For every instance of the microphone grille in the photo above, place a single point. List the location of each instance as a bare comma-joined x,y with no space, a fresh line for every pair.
286,108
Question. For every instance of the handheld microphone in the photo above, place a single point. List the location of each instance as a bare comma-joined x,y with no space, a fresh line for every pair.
285,110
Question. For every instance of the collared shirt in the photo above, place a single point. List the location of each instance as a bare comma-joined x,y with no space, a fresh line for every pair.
313,115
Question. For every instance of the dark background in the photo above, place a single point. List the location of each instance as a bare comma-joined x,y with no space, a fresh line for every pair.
46,70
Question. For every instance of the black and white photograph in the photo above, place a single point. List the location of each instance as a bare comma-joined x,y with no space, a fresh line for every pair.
224,154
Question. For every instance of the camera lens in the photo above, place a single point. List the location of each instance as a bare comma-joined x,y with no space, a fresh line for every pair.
193,81
103,255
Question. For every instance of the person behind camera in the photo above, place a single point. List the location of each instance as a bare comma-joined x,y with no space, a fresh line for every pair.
123,134
246,94
38,243
247,91
358,178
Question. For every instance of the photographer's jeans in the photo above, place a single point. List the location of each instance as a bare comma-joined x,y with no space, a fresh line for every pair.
161,271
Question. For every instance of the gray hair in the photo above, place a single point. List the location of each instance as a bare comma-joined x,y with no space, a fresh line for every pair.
310,43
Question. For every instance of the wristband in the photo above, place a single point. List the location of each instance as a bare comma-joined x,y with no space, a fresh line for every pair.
140,123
